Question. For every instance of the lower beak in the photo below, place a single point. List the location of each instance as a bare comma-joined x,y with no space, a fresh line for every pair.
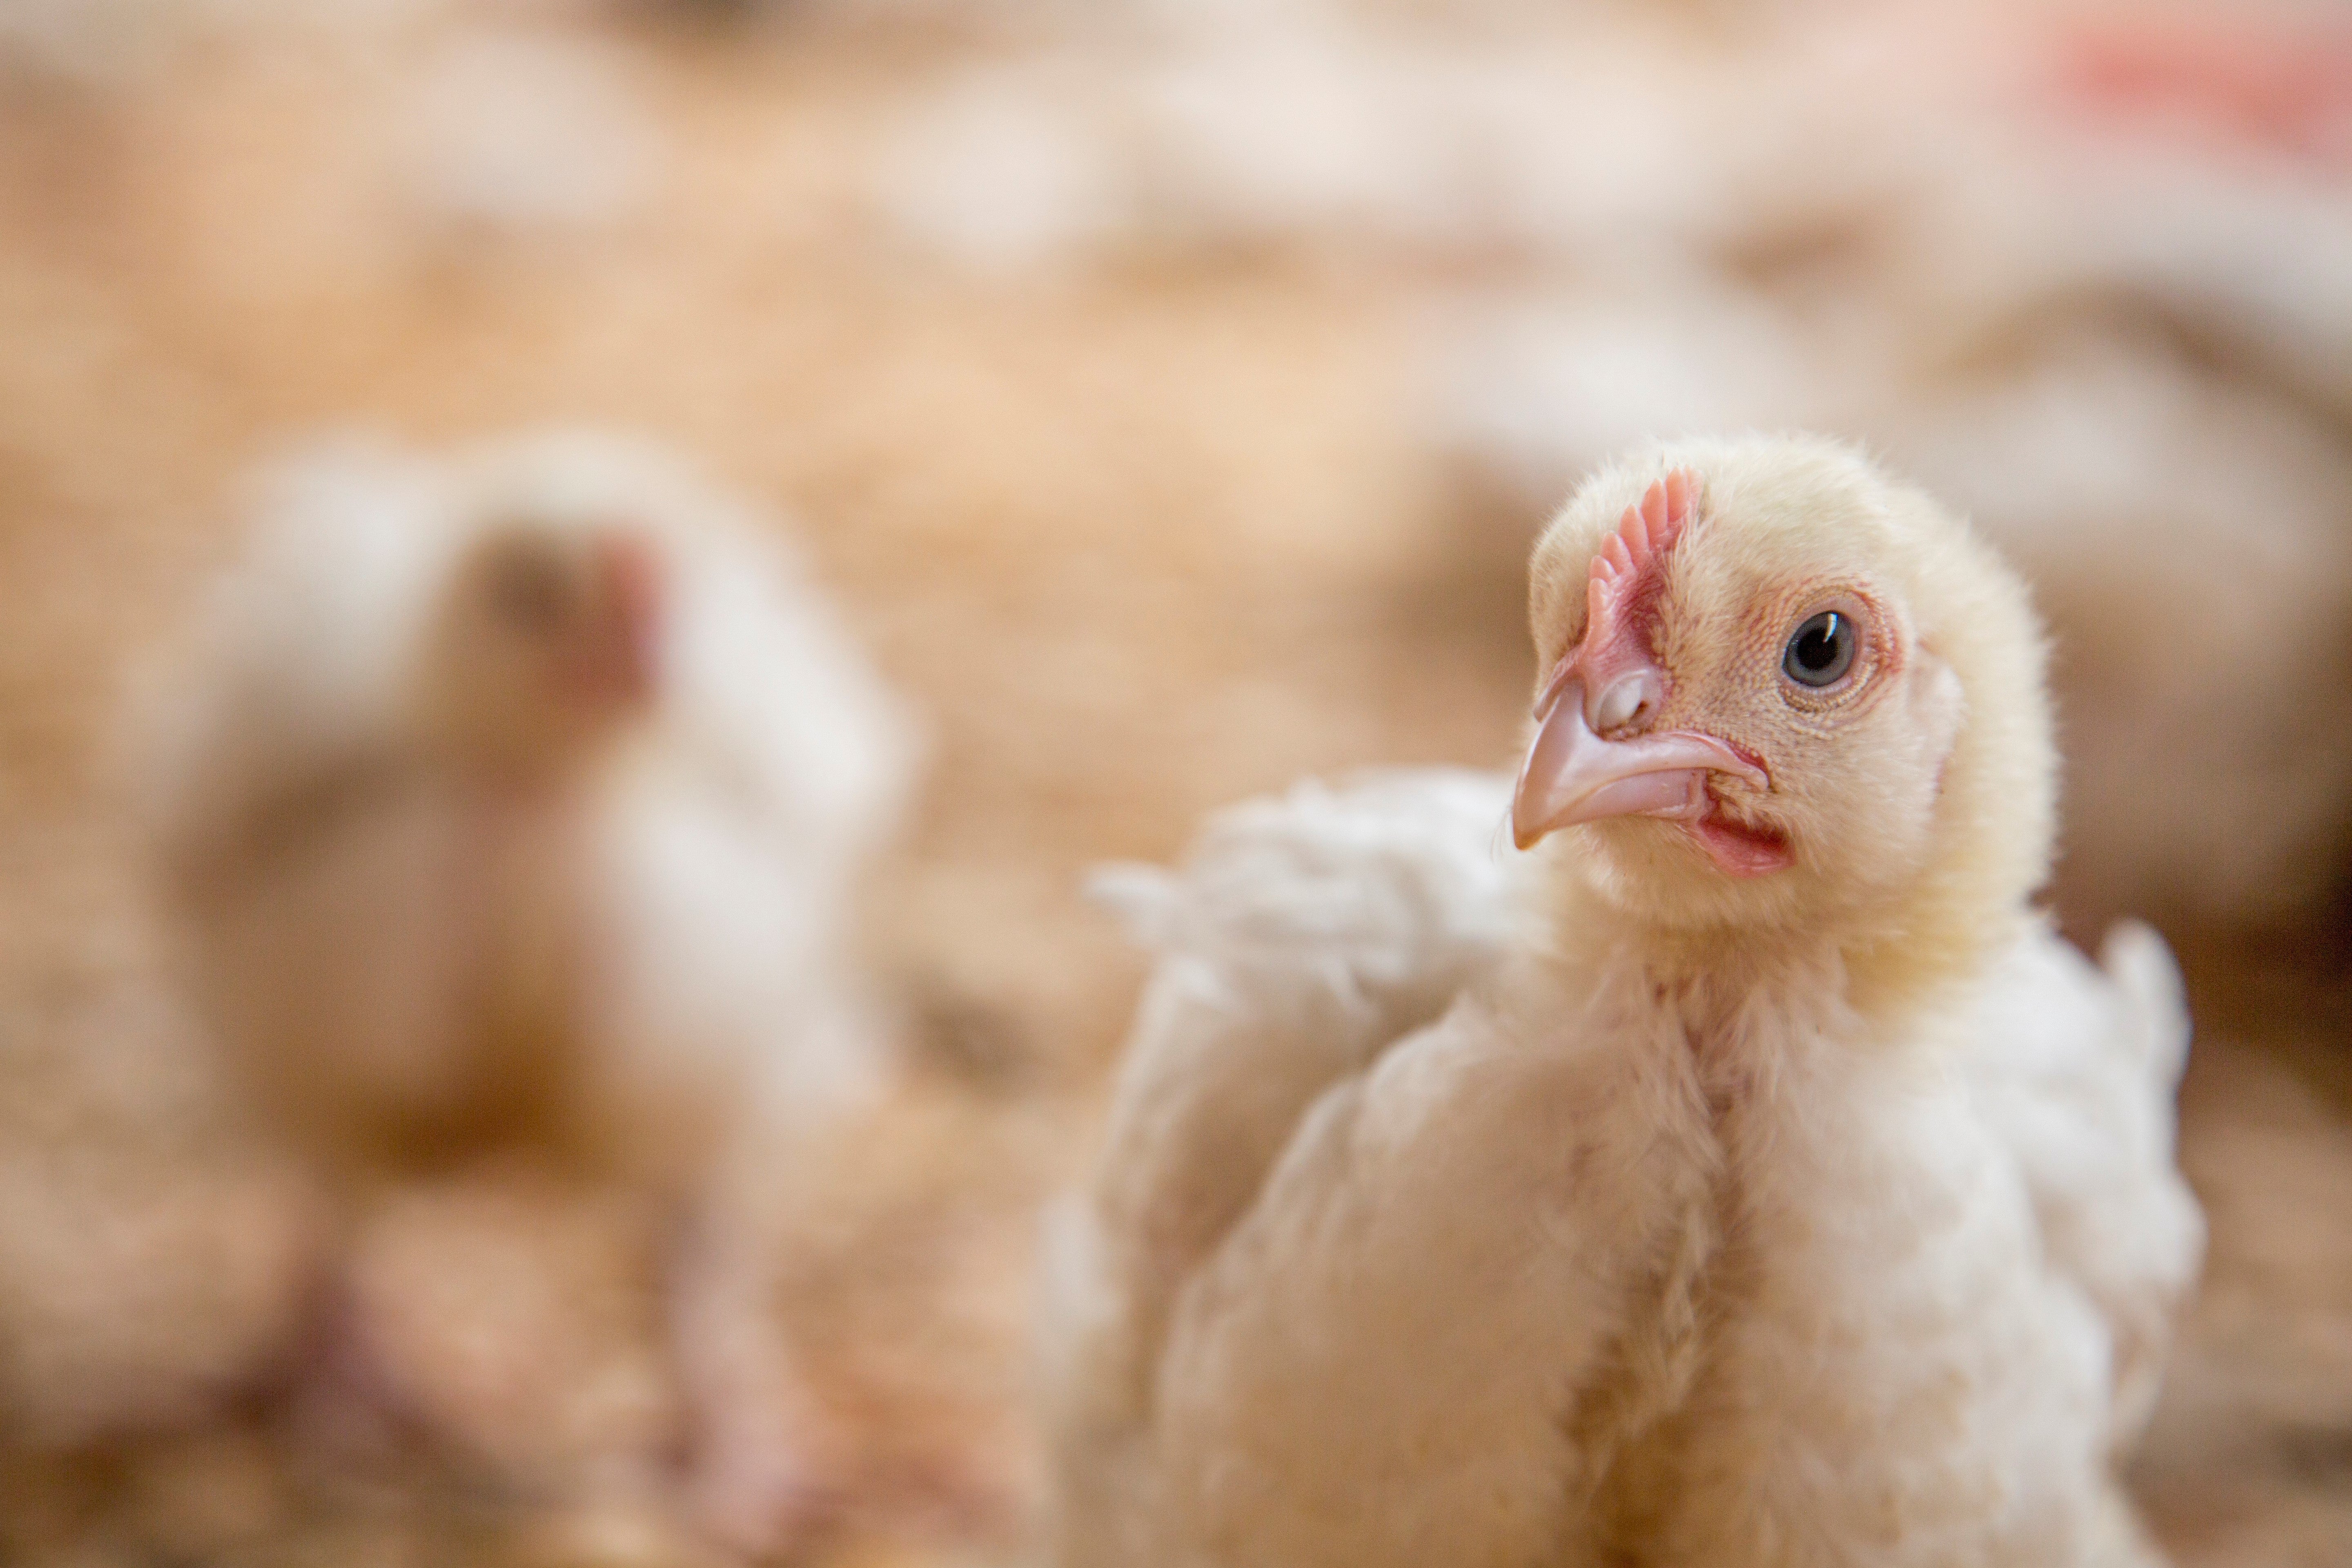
1573,776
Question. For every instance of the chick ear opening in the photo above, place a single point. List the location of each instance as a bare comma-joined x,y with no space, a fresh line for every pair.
1939,706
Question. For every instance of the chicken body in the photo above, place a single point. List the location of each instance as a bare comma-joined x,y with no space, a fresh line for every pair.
1682,1193
510,806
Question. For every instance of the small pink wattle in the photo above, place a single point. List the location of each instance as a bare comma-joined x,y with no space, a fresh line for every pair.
1740,850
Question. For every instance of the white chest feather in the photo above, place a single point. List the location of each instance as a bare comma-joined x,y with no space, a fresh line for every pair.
1853,1353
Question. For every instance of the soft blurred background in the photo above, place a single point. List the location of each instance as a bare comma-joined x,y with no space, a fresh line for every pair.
1166,391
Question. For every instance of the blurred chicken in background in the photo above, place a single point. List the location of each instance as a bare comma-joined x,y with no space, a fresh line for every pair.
512,808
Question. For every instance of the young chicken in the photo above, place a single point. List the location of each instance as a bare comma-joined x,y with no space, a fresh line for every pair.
1743,1175
510,808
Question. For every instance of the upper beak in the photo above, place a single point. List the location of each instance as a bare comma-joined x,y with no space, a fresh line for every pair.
1573,776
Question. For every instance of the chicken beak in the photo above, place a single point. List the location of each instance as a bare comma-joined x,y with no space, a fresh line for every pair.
1572,775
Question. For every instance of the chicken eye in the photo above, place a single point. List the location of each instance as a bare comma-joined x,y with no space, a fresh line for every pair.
1821,650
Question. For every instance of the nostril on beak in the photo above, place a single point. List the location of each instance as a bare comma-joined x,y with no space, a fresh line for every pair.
1627,699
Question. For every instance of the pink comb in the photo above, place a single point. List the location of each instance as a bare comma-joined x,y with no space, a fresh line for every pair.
632,572
1625,574
1624,587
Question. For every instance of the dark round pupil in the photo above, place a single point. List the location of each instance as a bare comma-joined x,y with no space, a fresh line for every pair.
1822,649
1816,645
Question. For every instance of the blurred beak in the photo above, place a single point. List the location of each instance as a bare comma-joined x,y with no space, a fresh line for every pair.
627,652
1573,776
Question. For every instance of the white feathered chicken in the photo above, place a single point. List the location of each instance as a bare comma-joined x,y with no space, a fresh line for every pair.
510,808
1745,1176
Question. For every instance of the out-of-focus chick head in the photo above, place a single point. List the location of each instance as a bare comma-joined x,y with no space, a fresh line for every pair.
549,609
1777,689
547,640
